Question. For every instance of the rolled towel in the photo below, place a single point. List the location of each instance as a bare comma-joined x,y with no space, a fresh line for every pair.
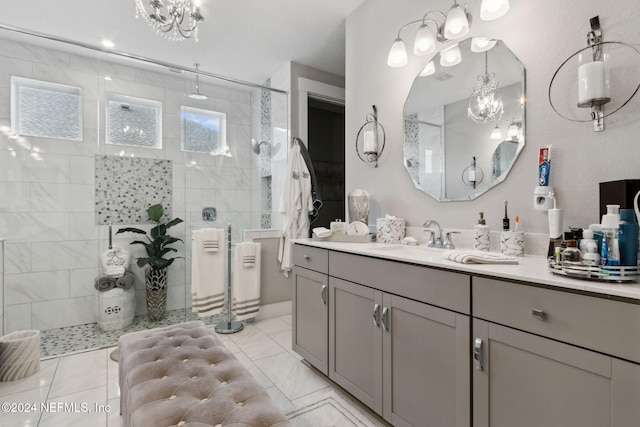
126,281
478,257
104,283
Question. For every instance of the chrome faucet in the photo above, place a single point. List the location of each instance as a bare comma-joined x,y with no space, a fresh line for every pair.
435,241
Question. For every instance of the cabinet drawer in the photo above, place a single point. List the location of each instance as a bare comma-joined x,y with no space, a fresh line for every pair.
436,287
316,259
607,326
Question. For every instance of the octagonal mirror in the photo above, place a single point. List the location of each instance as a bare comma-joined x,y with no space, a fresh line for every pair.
464,125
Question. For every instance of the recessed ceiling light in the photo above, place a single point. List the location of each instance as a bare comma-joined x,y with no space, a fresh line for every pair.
108,44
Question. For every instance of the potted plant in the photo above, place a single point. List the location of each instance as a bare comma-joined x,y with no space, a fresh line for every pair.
157,246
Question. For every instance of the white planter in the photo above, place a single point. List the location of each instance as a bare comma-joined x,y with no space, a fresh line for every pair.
19,355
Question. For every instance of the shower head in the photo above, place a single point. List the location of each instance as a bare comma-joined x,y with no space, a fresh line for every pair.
197,94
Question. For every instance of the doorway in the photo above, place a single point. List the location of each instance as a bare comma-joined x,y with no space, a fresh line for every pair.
326,148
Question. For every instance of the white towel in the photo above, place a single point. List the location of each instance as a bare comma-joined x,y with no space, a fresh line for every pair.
479,257
246,281
115,261
207,273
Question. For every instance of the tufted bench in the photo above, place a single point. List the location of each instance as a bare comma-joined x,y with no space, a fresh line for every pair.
182,375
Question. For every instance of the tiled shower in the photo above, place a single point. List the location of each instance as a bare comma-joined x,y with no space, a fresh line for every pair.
50,197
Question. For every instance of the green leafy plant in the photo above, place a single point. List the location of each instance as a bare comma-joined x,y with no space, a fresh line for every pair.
158,241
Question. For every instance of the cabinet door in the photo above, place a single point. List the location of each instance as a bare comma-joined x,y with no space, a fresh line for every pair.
426,359
355,340
520,379
310,317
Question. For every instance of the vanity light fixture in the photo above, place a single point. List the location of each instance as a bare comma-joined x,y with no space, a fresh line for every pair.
482,44
437,27
429,69
197,95
514,130
450,56
496,133
181,19
485,104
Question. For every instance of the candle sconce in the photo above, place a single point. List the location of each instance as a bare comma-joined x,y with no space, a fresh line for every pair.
472,175
605,70
370,140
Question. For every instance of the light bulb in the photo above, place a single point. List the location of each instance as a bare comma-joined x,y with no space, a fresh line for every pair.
425,43
450,56
397,54
429,69
493,9
456,24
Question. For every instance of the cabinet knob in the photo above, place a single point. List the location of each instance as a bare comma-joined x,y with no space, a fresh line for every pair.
306,257
539,314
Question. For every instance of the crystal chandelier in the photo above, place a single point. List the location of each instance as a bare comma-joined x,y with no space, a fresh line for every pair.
485,104
179,22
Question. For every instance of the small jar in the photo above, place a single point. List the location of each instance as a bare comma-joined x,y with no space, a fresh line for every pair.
571,253
591,256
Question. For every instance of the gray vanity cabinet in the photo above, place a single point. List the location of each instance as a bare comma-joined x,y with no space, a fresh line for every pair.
407,360
534,358
310,306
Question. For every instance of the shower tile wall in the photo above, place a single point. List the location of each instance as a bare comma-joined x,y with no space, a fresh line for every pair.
47,187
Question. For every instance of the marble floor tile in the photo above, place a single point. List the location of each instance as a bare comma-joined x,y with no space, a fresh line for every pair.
291,376
256,344
24,407
42,378
80,372
273,326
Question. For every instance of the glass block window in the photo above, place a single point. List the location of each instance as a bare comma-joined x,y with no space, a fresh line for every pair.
133,121
46,109
204,131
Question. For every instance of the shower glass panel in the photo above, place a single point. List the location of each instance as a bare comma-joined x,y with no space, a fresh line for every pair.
58,196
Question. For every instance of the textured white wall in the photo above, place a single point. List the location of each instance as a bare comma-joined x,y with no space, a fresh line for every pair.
542,33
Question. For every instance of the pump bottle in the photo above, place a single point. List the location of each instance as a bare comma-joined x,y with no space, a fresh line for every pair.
481,235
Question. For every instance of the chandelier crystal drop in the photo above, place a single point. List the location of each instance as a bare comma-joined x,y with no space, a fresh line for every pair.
176,21
485,104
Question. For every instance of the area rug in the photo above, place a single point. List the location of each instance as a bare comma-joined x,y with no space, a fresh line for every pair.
330,411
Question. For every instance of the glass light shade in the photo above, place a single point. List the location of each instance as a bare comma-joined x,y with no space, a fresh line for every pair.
450,56
429,69
425,42
481,44
496,133
513,130
493,9
397,54
456,24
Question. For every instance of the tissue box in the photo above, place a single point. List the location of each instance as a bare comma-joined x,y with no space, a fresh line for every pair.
390,230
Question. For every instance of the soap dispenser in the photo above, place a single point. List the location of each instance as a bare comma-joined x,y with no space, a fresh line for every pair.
481,235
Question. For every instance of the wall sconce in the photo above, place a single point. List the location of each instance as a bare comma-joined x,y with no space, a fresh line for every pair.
496,133
371,138
437,27
472,175
513,131
594,78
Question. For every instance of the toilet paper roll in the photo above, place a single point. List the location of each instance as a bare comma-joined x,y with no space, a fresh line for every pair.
390,230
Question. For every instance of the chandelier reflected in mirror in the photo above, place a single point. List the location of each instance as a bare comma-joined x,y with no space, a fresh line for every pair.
176,21
485,104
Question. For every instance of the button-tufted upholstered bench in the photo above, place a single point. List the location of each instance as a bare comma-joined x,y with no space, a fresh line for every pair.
182,375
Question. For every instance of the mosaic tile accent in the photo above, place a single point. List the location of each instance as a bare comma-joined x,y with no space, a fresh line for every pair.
127,186
72,339
265,132
265,221
412,146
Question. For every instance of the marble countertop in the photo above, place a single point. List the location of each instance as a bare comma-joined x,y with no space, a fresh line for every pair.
529,268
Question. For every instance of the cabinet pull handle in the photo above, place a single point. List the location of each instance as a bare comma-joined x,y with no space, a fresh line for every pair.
307,258
323,294
376,315
477,354
539,314
385,319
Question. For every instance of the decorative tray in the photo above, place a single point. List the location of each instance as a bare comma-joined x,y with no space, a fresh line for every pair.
339,237
577,270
